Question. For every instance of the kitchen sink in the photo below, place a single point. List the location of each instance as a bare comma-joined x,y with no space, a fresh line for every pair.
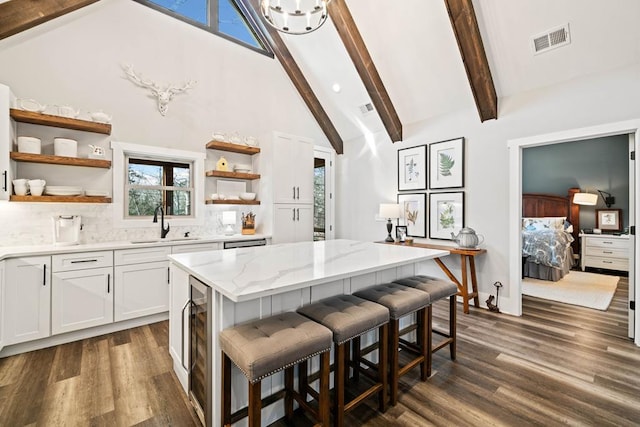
139,242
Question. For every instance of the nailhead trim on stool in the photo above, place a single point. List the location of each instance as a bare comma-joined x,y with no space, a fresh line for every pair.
402,301
348,317
438,289
265,346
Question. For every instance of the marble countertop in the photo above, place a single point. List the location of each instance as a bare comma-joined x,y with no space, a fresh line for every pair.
33,250
249,273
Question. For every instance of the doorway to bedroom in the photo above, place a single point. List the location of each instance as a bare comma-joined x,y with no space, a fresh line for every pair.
590,160
571,264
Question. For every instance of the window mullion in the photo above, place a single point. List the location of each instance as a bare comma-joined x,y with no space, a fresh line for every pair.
213,15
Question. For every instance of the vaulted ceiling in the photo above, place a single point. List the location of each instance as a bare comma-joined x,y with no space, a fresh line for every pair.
418,59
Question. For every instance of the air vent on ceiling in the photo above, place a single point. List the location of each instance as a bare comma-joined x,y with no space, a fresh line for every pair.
551,39
366,108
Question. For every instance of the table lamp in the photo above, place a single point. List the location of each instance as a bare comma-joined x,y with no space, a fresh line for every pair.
229,219
389,211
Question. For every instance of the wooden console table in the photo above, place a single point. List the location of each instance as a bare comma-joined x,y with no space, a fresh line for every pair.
465,254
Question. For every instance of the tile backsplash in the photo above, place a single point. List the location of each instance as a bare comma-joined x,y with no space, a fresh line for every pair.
31,224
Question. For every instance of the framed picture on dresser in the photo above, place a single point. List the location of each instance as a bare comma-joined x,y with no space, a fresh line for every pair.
609,219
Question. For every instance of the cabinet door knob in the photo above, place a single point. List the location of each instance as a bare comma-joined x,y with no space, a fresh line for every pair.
44,275
4,186
294,192
298,214
109,283
293,211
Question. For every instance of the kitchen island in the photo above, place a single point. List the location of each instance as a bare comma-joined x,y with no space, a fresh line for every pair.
256,282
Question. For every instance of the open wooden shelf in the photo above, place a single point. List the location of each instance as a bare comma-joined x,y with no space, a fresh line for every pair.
232,202
59,160
234,148
234,175
60,122
60,199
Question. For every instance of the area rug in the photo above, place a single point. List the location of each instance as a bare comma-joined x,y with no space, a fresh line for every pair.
577,288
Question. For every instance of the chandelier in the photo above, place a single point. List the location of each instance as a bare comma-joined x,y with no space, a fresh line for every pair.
295,16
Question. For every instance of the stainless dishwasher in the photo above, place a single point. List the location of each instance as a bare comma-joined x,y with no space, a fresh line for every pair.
244,243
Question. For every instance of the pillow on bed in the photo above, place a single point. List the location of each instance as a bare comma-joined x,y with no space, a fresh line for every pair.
553,223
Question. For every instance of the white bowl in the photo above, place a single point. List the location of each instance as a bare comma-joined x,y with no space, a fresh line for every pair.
29,144
65,147
247,196
240,167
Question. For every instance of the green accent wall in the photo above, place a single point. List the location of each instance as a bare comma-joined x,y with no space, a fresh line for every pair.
601,163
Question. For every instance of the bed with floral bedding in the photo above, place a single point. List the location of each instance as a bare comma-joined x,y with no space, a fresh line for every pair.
550,225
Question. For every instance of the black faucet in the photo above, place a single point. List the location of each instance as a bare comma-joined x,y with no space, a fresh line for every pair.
163,231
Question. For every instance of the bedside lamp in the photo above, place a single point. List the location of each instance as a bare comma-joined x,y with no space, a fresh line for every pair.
389,211
229,219
591,199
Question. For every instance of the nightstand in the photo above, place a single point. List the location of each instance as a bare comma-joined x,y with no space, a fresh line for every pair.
605,251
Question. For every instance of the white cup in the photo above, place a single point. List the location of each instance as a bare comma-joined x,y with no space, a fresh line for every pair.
36,190
37,183
20,182
20,189
214,196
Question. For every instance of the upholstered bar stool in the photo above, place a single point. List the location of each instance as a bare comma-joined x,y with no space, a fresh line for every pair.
403,301
348,317
438,289
263,347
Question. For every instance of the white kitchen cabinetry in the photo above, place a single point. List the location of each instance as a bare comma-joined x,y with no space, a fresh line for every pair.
292,169
605,251
142,282
28,299
81,291
292,223
2,309
179,324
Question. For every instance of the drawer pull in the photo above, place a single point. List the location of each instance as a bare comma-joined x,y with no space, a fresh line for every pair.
607,243
607,252
83,260
607,262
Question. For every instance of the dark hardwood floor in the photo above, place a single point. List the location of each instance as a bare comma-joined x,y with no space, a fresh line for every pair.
556,365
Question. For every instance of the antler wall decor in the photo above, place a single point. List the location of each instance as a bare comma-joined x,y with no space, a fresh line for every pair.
162,94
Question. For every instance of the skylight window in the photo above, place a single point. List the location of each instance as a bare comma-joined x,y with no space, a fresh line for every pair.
221,17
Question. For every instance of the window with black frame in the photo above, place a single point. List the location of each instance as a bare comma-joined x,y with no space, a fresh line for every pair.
151,183
225,18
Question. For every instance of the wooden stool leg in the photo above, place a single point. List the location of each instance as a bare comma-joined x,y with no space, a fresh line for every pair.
323,404
424,341
225,396
356,358
394,343
288,397
338,380
383,353
452,326
303,379
255,403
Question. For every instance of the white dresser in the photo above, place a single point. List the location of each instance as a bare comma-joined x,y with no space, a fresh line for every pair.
605,251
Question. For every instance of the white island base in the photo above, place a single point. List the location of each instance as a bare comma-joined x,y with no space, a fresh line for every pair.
258,282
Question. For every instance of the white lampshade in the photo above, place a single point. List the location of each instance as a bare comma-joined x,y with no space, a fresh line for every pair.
389,210
587,199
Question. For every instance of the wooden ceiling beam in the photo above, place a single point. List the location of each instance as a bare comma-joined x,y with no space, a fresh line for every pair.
352,40
20,15
465,27
290,66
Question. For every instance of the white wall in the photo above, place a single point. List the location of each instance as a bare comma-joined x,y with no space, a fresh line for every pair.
76,60
367,173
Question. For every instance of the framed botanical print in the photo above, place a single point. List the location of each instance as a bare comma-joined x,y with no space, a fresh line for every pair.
412,168
446,214
609,219
413,213
446,164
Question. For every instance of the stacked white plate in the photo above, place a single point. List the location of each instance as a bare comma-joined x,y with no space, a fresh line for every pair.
96,193
62,190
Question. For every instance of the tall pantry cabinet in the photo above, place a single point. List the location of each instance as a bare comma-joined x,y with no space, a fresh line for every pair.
292,163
